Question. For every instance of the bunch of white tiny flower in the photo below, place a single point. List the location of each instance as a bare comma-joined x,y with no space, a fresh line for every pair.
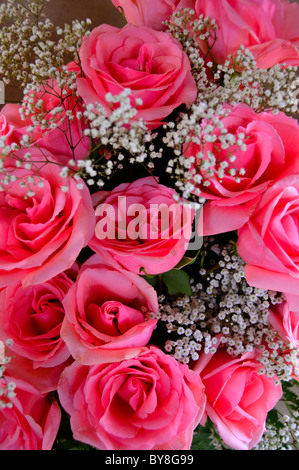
7,387
222,308
190,32
28,51
278,357
238,80
284,436
116,134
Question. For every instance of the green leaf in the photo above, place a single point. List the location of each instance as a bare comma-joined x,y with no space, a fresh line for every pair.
202,438
177,282
186,261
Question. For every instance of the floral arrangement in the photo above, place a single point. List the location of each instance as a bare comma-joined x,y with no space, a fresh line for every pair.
149,224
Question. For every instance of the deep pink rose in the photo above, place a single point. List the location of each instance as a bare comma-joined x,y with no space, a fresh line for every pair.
42,235
33,421
269,242
150,13
142,226
106,310
32,318
255,24
272,152
149,63
286,322
238,396
145,403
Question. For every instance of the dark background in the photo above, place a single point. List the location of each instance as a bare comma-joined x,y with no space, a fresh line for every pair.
99,11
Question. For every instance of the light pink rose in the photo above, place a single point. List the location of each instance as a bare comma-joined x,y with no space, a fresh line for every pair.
141,226
33,421
238,396
106,313
255,24
32,318
149,63
150,13
272,152
145,403
269,241
286,322
42,235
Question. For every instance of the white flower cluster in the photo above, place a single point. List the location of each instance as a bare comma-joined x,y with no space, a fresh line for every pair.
28,50
7,388
224,308
282,437
118,135
238,80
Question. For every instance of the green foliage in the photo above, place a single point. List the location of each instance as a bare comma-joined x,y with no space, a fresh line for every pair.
177,282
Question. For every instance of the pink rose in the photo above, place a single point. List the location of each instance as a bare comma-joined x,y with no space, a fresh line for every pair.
145,403
286,322
106,310
154,240
272,152
32,318
269,241
276,51
33,421
42,234
254,24
150,13
67,140
238,397
149,63
12,127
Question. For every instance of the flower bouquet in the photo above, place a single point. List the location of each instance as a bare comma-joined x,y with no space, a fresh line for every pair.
149,224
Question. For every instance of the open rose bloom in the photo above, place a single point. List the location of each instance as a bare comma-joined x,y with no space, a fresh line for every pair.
149,63
42,235
149,402
33,420
268,28
271,152
106,313
238,397
269,242
142,226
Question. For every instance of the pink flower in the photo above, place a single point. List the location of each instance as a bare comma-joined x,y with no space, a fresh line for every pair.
255,24
33,421
272,152
148,402
276,51
154,240
106,312
238,396
149,63
269,241
286,322
12,127
42,234
32,318
67,140
150,13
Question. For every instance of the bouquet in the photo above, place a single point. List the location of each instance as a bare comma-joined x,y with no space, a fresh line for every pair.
149,224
